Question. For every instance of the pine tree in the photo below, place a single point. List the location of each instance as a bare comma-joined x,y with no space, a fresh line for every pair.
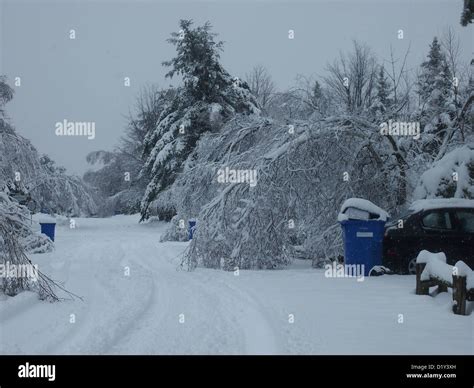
467,12
382,94
208,98
437,108
318,99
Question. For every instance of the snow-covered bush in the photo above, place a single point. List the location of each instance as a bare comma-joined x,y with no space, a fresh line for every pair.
18,217
450,177
124,202
164,206
176,231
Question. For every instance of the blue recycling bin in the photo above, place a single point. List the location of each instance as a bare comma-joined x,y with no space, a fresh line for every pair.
48,229
191,228
363,242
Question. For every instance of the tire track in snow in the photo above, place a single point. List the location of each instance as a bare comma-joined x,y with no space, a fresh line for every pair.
220,318
165,335
259,334
141,321
130,311
94,332
139,315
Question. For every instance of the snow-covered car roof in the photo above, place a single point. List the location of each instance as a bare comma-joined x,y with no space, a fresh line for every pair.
429,204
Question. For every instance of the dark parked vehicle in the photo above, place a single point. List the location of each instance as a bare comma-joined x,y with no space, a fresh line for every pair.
437,225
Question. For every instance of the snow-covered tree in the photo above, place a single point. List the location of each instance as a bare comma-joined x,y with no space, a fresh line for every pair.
467,14
437,107
382,99
48,186
262,86
19,219
301,183
116,174
306,100
209,96
24,170
17,239
306,169
6,94
450,177
57,192
287,105
351,79
150,104
116,180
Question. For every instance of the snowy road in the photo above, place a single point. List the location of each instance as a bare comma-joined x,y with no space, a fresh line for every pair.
136,301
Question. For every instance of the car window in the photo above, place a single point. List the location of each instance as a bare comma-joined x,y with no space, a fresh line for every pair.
437,220
404,215
466,220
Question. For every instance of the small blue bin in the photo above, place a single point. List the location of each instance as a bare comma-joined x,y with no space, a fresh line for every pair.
191,228
48,229
363,242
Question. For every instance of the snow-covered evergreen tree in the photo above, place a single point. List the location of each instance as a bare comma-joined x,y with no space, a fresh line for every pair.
209,96
382,99
450,177
435,91
467,12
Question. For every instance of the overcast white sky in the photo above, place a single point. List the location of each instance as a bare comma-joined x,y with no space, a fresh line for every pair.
82,79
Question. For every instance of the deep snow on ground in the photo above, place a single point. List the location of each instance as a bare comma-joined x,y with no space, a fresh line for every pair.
160,309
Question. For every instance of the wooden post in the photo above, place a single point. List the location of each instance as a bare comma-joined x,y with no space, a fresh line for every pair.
459,294
442,288
421,289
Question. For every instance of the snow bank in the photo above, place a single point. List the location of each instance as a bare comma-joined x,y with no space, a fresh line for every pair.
361,209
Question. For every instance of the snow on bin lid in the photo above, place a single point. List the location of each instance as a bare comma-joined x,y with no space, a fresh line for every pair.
438,203
45,219
361,209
